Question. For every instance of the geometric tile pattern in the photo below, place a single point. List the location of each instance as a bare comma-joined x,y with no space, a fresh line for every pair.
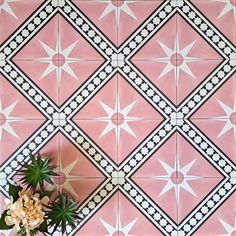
90,77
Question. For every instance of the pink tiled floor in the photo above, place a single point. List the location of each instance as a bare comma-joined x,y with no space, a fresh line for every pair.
136,103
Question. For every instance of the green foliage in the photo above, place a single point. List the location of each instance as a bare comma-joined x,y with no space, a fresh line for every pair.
13,191
3,225
61,212
37,173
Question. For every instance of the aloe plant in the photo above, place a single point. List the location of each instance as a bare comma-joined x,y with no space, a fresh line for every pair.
37,173
61,212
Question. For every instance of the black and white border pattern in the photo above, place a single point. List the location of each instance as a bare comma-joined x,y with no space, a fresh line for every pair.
59,119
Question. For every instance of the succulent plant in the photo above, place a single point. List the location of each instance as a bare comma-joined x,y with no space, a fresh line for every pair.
61,212
37,173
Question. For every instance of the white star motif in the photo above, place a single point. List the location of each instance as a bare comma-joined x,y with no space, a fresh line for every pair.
118,228
58,59
229,118
117,119
177,178
230,6
63,181
117,6
176,59
5,7
231,230
6,119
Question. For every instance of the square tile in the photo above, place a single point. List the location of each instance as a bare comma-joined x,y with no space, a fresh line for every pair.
103,136
222,15
41,73
102,14
105,218
131,14
103,104
222,221
13,100
13,14
146,155
221,132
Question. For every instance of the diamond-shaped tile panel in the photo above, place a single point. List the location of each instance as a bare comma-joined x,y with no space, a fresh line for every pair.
13,13
222,15
131,14
13,102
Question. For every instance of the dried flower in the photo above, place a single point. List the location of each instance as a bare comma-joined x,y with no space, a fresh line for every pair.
27,212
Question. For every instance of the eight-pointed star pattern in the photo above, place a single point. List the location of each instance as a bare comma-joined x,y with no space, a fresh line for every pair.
118,117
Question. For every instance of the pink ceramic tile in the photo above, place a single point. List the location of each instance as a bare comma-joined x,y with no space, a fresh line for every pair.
80,188
222,104
132,14
13,133
73,161
43,45
222,15
132,217
71,81
154,165
221,132
13,14
155,72
74,42
36,72
154,49
192,46
96,107
104,221
192,74
13,103
136,105
162,196
222,222
102,14
192,195
104,137
133,132
195,164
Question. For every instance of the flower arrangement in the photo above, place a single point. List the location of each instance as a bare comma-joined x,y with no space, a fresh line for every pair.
30,210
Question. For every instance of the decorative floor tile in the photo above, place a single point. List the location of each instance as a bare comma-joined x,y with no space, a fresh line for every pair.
222,13
103,14
13,14
135,101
